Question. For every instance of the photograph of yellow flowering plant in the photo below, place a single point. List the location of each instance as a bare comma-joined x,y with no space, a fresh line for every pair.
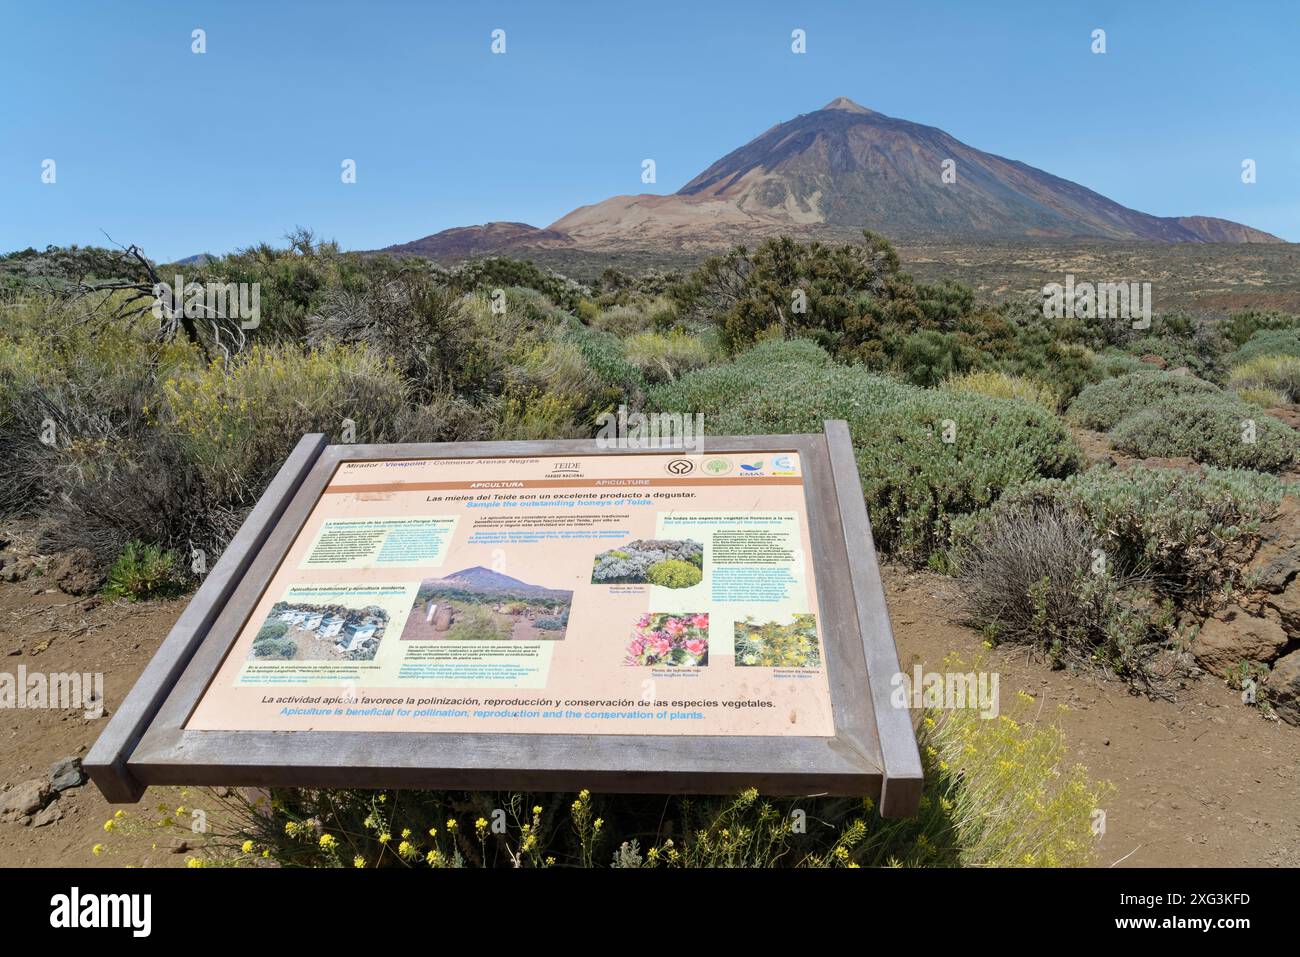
776,644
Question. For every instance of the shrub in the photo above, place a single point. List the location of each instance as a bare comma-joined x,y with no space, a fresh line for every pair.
771,644
142,572
477,623
928,357
1240,327
1032,576
915,481
1279,374
274,648
485,275
674,573
560,369
1268,342
271,630
604,353
1261,398
631,564
640,315
238,420
1189,533
1102,405
419,323
1197,349
1111,364
74,395
1215,429
664,357
999,385
443,418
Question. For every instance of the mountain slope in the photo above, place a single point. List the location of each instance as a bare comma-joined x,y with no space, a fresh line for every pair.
844,168
485,581
463,242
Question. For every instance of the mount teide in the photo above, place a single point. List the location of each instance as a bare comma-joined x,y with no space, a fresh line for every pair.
831,173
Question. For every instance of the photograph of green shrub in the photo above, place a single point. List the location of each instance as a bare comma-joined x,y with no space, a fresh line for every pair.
669,563
788,643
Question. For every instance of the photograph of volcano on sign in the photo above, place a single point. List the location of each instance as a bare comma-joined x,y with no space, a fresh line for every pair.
478,604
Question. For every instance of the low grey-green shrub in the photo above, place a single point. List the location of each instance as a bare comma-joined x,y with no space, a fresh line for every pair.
1216,429
1268,342
1112,364
1189,533
1101,405
274,647
924,456
1032,576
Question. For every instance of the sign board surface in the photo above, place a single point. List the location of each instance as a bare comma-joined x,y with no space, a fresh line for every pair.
535,615
630,594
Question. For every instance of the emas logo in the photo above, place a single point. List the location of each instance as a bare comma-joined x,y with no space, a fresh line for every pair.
752,466
103,910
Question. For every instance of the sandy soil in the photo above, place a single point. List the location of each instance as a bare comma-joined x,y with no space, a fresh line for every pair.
48,631
1203,781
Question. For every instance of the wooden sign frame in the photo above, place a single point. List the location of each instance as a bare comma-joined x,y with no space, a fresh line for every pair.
873,751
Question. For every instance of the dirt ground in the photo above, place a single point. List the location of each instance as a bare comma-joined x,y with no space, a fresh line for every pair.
1203,781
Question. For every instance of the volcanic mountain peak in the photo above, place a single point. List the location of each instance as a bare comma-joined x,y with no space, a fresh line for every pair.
833,172
486,581
844,103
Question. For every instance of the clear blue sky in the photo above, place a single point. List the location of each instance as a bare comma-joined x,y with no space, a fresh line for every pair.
183,153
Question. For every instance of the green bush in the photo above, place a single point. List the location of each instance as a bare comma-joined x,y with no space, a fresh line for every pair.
1216,429
1102,405
240,419
1189,533
928,357
1239,327
271,630
274,648
1111,364
1267,342
1198,350
657,314
674,573
999,385
485,275
663,357
914,479
142,572
847,291
1279,374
